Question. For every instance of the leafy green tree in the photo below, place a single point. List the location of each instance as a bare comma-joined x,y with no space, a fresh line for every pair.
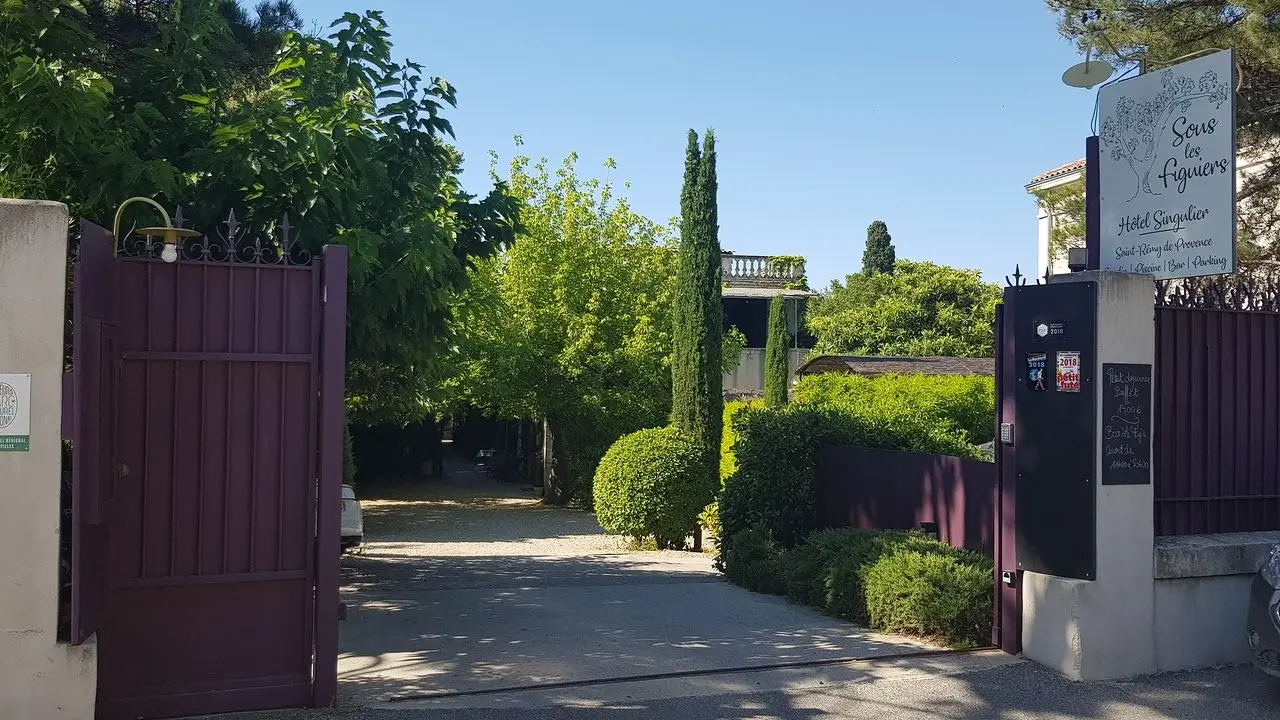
696,363
1161,32
570,323
776,372
1066,204
922,309
879,255
195,104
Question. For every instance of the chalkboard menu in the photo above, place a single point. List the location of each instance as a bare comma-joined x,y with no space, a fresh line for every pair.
1126,424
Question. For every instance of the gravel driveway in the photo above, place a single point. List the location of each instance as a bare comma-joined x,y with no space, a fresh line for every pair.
469,587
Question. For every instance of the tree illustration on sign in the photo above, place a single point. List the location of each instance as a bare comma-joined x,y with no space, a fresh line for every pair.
1134,131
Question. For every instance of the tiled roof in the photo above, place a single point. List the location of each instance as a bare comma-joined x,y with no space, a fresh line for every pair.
872,365
1069,168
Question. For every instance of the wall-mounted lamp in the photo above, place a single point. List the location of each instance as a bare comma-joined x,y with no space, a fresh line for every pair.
171,235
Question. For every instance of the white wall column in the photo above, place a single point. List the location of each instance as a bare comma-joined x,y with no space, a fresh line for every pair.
1105,628
40,678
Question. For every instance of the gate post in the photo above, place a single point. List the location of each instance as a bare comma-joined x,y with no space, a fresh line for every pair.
39,676
333,363
1096,622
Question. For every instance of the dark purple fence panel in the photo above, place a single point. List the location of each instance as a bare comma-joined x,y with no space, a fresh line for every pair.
92,427
1217,421
886,490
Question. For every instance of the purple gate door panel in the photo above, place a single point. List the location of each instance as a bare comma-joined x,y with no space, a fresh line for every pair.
1007,628
333,353
91,429
211,600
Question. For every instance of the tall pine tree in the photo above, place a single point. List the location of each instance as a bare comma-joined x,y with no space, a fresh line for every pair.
879,255
776,372
696,380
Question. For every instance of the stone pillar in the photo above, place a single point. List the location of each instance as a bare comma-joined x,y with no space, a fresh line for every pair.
1104,629
39,677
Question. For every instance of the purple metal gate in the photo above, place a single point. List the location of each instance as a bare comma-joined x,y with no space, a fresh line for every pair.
1217,420
221,499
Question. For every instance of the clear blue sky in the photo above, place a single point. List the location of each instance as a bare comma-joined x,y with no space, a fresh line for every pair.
928,114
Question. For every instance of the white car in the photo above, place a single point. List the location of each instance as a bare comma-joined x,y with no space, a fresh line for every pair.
352,519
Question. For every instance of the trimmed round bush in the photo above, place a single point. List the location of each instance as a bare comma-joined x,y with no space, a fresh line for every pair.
933,595
652,484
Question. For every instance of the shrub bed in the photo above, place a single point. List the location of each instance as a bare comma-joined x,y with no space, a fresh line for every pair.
648,485
933,595
892,580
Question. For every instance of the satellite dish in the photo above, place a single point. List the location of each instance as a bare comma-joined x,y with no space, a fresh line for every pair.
1088,74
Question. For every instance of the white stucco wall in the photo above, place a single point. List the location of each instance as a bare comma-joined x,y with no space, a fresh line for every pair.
40,679
749,377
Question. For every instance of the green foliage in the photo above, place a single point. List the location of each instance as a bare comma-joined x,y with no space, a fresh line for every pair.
734,342
710,517
651,484
1066,204
938,595
348,456
196,103
776,452
962,406
826,569
894,580
922,309
570,323
755,562
698,313
728,463
1162,32
880,255
776,372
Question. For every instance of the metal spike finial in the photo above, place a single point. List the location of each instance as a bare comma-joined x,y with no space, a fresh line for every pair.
1018,279
179,220
231,223
285,227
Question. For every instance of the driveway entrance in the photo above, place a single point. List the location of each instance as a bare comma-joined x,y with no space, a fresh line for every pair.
469,588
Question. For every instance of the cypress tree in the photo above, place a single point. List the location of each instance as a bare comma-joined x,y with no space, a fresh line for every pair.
684,377
879,255
776,372
696,380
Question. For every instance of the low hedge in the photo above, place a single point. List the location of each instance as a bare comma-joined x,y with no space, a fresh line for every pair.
649,485
892,580
933,595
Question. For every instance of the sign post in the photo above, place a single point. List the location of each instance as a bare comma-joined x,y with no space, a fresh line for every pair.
1167,171
15,413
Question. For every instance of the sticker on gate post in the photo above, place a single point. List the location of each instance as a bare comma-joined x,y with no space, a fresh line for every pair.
15,413
1068,370
1035,370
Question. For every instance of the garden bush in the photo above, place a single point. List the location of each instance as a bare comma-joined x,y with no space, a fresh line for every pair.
942,596
963,405
709,520
776,454
893,580
755,562
648,485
